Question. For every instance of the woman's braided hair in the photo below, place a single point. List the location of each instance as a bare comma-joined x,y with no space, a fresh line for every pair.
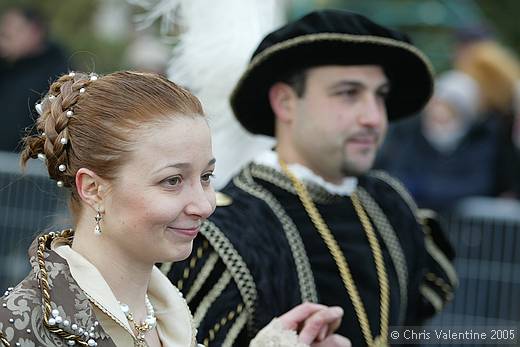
90,121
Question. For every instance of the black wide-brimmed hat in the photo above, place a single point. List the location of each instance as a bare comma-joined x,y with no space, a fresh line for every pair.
332,37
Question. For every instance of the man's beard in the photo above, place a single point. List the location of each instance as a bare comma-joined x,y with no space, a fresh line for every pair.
352,169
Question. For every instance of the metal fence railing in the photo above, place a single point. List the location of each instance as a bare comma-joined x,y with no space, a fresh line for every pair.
488,266
29,204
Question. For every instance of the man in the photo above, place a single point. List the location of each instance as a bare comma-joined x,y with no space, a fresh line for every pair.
308,221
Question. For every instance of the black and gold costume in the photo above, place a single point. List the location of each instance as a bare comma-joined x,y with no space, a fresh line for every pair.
261,255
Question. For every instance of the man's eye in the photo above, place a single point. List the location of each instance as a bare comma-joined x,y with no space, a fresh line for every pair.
383,94
206,178
348,92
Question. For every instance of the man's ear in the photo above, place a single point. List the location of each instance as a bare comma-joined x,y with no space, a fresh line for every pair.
282,98
91,188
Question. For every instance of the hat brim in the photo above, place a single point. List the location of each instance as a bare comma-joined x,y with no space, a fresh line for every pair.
408,70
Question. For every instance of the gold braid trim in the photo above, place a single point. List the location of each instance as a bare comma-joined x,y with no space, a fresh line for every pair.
203,275
306,282
208,300
441,284
271,175
235,265
44,286
441,259
396,185
387,233
343,266
166,267
430,295
229,317
235,329
266,54
431,247
3,339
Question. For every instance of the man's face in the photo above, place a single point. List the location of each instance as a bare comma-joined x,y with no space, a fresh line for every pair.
341,119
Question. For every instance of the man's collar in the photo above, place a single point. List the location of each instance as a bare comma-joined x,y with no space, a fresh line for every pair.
270,158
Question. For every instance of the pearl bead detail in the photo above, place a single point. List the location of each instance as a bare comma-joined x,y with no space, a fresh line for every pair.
64,141
69,113
59,184
62,167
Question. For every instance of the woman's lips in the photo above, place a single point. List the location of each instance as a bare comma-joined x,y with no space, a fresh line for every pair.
191,231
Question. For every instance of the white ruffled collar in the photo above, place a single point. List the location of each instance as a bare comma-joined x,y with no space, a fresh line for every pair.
270,158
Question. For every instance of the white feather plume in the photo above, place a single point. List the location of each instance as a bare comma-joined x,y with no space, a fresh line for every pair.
217,40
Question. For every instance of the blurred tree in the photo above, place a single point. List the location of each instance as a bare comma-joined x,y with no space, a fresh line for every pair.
431,23
503,15
71,25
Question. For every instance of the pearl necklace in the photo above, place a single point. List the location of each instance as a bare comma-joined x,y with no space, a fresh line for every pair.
145,326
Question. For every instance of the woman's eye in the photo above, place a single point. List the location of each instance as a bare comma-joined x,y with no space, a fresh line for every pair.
172,181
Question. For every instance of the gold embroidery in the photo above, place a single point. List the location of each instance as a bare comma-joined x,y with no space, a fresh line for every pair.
441,259
432,297
306,281
398,187
303,39
166,267
44,286
3,339
343,266
213,294
392,243
236,266
439,282
235,329
203,275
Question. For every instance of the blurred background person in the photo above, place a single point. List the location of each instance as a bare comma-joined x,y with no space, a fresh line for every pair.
451,151
28,60
497,72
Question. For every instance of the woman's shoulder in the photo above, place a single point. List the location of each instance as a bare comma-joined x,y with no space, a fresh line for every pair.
48,307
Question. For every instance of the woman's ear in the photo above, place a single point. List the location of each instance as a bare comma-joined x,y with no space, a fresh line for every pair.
282,98
91,188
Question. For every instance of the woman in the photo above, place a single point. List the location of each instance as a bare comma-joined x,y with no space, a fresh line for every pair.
134,150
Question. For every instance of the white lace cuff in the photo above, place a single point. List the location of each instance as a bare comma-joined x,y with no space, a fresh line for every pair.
275,335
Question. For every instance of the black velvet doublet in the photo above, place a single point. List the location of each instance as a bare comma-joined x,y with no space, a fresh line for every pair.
261,255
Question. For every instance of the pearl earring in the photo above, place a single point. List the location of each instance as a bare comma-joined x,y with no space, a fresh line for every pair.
98,218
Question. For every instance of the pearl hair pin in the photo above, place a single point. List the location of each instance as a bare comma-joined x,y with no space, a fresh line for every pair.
38,108
62,167
42,156
64,141
69,113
